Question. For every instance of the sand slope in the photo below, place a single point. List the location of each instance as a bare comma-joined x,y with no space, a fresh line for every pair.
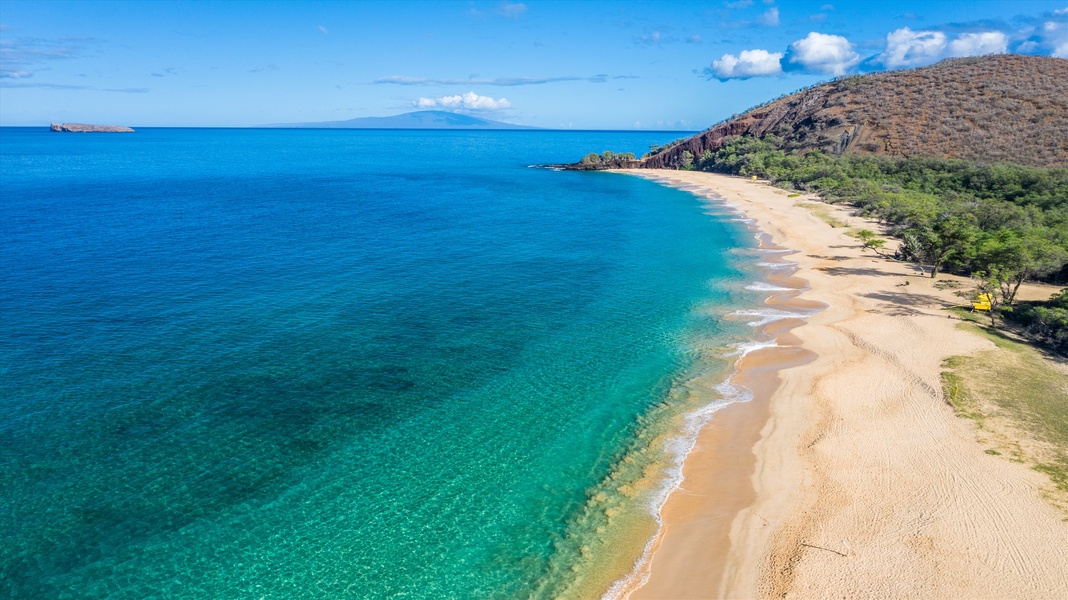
866,483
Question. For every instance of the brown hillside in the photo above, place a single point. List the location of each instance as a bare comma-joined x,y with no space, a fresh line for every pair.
995,108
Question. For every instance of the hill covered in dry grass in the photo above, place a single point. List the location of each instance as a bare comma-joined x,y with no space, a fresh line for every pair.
1000,108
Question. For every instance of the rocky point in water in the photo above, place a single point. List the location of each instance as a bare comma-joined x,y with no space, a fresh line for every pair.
84,128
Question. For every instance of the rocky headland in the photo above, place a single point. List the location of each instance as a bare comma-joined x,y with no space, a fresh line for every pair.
86,128
990,109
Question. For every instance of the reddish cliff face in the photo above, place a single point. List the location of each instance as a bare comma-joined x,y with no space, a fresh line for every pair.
996,108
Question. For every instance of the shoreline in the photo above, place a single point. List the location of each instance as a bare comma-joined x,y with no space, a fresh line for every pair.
719,468
847,473
720,461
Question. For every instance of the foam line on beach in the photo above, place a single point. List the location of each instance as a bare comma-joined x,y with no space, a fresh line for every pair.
762,316
777,265
728,392
761,286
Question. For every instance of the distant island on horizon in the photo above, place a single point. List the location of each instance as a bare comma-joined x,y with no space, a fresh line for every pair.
88,128
423,119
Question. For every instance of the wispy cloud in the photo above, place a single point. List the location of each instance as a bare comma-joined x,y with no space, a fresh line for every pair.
43,85
822,15
6,83
770,18
494,81
323,30
512,10
22,57
655,37
165,72
464,102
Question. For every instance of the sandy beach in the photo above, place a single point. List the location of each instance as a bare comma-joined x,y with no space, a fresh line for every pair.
849,475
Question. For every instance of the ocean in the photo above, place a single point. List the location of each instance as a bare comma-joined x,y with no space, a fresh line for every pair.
323,363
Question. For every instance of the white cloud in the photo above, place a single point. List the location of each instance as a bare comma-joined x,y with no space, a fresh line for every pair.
908,48
748,63
512,11
979,44
1061,11
769,18
652,38
468,101
830,54
1061,51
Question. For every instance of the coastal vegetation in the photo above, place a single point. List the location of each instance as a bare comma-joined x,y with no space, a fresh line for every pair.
1001,223
1046,321
609,159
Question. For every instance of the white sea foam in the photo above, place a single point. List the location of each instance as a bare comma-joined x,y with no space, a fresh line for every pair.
677,449
760,286
742,349
763,316
782,265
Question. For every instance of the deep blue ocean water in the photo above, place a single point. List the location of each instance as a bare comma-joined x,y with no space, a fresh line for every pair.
320,364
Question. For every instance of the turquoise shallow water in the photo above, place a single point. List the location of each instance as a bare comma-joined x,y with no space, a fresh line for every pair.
318,364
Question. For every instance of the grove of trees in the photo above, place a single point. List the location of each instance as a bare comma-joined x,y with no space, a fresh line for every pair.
1002,224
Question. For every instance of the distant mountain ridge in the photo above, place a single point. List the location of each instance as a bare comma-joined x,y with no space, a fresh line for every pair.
423,119
999,108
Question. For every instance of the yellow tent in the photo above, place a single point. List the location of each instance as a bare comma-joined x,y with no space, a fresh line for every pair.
982,303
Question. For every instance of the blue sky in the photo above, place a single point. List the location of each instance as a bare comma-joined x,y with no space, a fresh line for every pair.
583,65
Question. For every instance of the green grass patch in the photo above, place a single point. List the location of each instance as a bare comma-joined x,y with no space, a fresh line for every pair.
957,395
823,212
1017,394
966,314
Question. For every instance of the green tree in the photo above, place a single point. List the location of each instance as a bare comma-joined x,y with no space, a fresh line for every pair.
949,235
687,160
871,240
1021,256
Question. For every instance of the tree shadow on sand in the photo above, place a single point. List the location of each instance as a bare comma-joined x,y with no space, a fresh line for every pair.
906,304
868,272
